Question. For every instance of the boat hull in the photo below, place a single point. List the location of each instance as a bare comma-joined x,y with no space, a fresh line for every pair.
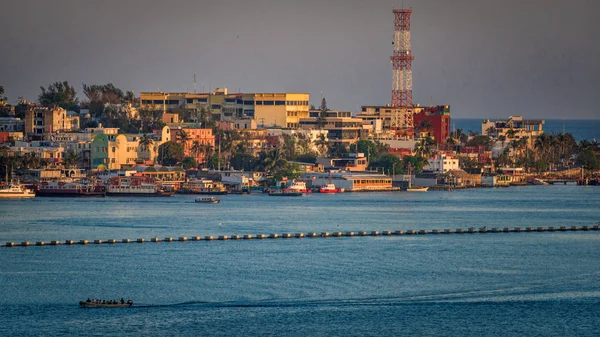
70,194
133,194
104,305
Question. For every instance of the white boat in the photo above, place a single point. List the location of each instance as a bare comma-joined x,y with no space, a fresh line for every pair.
417,189
208,200
136,187
299,186
15,190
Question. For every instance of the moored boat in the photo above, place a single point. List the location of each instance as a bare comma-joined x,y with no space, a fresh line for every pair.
208,200
203,186
69,189
330,188
286,193
299,186
417,189
15,190
136,187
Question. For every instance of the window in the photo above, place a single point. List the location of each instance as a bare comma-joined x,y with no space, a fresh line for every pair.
248,102
190,101
279,102
158,101
229,100
202,100
259,103
173,101
215,106
269,103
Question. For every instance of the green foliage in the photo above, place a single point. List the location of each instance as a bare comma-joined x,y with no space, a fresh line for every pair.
61,94
307,158
416,164
322,113
243,161
170,153
389,163
337,150
480,140
588,159
188,163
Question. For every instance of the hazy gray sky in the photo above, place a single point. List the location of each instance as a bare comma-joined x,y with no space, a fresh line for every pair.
485,58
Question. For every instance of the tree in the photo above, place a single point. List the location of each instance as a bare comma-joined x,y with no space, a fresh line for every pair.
61,94
146,144
424,126
288,147
188,163
170,153
2,97
502,138
588,159
337,149
415,163
70,159
183,138
389,163
422,149
322,113
322,144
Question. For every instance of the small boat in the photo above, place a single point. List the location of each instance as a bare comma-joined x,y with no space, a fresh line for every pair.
286,193
208,200
99,304
330,188
299,186
69,189
14,191
417,189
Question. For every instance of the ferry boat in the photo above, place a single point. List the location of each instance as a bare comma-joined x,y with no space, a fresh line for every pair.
69,189
15,190
417,189
136,187
299,186
330,188
208,200
203,186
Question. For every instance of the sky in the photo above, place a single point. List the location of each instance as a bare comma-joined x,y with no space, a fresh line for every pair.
484,58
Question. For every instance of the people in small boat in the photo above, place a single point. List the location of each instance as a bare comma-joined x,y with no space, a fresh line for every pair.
122,300
88,300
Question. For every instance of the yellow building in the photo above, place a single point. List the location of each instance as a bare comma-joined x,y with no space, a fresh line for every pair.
268,109
41,121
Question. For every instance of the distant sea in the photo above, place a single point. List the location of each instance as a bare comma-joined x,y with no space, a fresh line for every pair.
580,128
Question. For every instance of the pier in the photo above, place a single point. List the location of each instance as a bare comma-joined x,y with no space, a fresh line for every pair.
260,237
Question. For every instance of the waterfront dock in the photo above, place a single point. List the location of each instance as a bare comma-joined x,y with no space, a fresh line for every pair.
446,231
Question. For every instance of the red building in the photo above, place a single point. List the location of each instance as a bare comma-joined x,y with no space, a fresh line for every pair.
439,119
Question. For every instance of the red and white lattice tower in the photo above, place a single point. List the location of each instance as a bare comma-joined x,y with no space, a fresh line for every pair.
402,68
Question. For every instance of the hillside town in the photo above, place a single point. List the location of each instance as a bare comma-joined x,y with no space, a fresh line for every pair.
240,142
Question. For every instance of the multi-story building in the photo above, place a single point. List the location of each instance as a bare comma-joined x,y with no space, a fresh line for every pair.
11,124
433,121
42,121
196,136
442,164
520,128
273,109
437,116
341,127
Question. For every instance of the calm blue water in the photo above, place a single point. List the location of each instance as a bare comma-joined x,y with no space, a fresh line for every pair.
579,128
479,284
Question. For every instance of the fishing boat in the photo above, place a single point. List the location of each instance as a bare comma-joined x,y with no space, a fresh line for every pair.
330,188
299,186
104,304
203,186
286,192
69,189
417,189
208,200
136,187
15,190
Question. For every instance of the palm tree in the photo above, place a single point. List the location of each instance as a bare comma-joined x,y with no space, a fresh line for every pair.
424,126
196,148
422,149
322,144
71,158
510,134
183,138
502,138
145,144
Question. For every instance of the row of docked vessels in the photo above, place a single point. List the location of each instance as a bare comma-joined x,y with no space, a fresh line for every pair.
203,186
116,186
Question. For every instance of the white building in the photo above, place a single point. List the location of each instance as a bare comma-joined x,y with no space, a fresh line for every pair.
442,164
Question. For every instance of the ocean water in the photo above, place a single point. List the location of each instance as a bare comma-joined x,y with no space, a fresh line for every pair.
445,285
579,128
